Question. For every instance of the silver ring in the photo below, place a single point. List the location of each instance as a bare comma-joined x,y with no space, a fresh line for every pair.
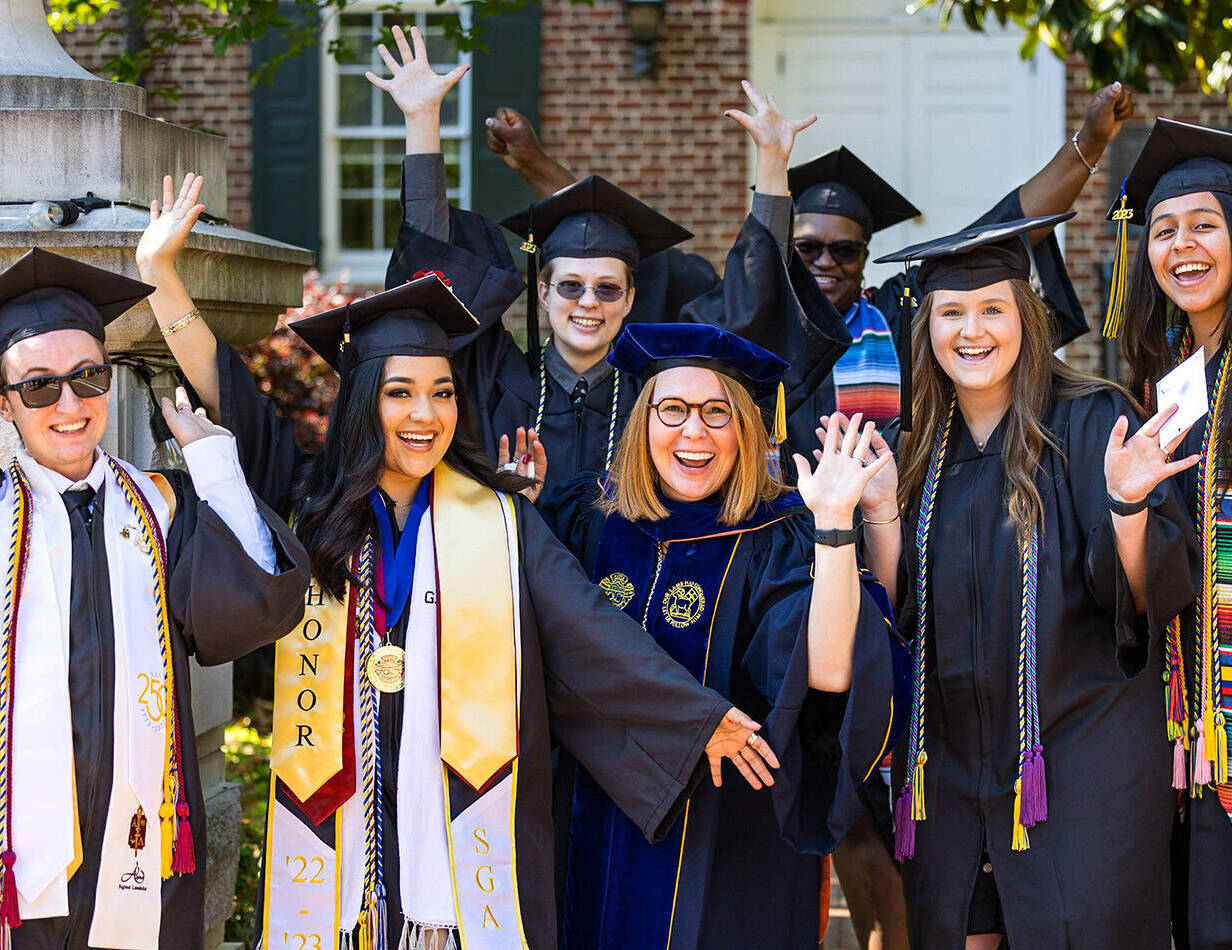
509,467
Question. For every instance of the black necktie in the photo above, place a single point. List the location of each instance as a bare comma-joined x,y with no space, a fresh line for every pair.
80,507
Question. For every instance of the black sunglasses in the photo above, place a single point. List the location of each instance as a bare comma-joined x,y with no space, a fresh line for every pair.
573,290
842,252
43,391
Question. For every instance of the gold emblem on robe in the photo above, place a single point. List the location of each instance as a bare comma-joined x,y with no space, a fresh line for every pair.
683,603
619,589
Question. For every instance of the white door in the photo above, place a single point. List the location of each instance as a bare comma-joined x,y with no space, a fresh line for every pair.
953,119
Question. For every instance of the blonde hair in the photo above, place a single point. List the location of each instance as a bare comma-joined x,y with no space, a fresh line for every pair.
1039,378
634,482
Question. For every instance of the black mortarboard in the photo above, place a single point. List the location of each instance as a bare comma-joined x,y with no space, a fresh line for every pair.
645,349
42,292
417,318
839,183
1176,159
590,218
968,260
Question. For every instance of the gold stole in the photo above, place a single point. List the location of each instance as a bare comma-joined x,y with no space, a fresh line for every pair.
475,542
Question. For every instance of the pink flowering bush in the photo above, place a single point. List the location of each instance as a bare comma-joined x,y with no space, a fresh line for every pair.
287,370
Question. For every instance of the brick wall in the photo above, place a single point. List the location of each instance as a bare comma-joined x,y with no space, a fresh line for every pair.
216,97
664,139
1089,239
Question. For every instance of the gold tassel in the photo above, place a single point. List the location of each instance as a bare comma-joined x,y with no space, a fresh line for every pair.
1021,842
528,246
1116,288
166,828
1221,750
780,416
917,788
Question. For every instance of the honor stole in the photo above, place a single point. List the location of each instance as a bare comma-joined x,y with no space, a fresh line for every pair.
622,891
313,763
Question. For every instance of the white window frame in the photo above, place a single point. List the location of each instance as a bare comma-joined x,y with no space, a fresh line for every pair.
368,266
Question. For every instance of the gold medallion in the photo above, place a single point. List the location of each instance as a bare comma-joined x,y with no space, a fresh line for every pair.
385,668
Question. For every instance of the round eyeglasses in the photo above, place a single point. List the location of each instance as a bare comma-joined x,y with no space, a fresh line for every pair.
672,412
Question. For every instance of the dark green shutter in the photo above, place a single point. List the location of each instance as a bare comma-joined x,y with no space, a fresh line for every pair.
286,146
505,74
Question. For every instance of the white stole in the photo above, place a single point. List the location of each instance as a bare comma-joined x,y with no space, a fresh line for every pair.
127,906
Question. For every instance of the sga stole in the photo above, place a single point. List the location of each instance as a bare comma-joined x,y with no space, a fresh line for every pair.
325,721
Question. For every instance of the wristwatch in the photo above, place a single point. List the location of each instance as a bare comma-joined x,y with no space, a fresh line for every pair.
1124,508
836,537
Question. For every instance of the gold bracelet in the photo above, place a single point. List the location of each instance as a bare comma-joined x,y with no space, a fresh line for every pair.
181,323
891,521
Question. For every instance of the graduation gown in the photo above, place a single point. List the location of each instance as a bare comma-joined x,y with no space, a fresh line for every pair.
767,300
592,680
1202,900
1095,875
222,605
1055,288
741,868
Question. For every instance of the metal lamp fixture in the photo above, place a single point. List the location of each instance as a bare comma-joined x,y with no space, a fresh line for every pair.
646,27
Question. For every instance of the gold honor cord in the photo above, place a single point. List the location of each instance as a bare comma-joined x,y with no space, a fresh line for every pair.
479,729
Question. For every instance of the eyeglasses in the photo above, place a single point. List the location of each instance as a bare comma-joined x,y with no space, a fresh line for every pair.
573,290
43,391
841,252
715,413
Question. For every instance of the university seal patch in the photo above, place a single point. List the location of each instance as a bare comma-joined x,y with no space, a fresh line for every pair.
683,603
618,588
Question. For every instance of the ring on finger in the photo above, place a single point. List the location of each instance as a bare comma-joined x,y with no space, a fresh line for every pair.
752,740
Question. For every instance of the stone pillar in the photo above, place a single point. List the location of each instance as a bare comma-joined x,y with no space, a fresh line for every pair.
63,133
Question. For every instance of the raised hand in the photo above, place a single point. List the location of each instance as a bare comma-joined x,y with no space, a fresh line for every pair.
1133,467
170,221
771,131
879,502
835,487
530,459
416,89
188,426
736,738
1106,113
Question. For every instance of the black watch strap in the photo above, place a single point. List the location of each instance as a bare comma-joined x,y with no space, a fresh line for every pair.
836,537
1124,508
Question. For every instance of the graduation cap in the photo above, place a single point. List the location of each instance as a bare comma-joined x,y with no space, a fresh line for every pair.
43,292
839,183
417,318
590,218
645,349
968,260
1177,159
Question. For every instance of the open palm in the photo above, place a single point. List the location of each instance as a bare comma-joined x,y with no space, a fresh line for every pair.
416,89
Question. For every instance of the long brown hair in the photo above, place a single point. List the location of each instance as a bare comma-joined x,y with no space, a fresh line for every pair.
635,482
1039,379
1149,316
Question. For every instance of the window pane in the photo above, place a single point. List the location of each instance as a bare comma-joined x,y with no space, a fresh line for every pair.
355,37
392,176
393,218
356,223
354,100
355,163
449,108
452,150
441,48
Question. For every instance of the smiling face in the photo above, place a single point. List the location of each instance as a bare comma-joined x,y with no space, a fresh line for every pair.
583,329
62,437
419,414
976,336
839,281
692,460
1190,253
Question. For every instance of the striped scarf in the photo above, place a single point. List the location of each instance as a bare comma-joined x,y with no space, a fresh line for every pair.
866,375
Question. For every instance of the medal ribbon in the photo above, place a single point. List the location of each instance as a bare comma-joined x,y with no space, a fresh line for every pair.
1030,792
398,564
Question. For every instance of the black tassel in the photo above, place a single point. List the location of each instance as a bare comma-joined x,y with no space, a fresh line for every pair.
344,348
533,350
906,314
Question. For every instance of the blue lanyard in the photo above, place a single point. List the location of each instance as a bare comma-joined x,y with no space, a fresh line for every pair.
399,570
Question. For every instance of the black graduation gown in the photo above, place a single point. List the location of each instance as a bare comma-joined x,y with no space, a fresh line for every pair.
741,869
1095,875
1055,288
593,681
222,605
762,298
1202,843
